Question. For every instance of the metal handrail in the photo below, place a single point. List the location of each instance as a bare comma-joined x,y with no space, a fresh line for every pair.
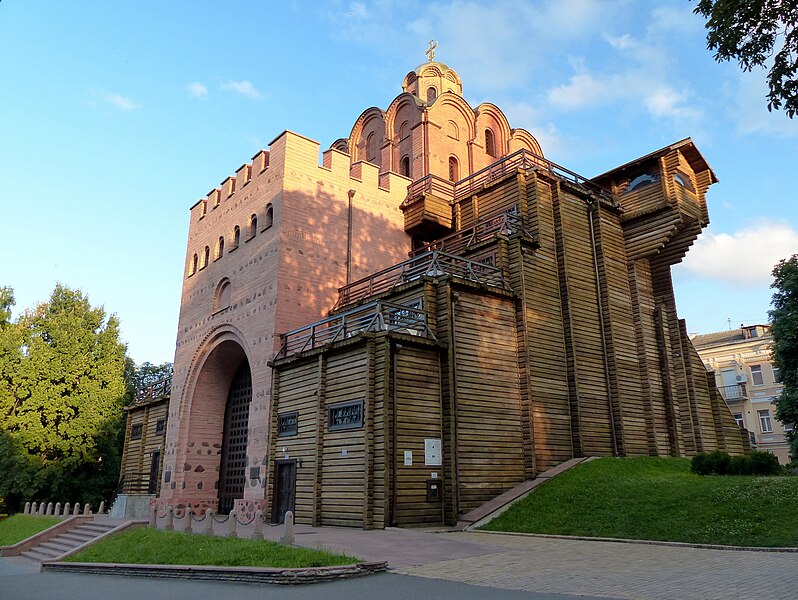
430,263
375,316
735,391
136,483
523,159
457,242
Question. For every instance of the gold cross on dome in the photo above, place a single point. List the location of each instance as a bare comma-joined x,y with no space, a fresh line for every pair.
430,52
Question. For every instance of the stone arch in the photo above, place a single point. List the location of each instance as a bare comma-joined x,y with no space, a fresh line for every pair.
222,357
401,101
372,120
521,138
490,116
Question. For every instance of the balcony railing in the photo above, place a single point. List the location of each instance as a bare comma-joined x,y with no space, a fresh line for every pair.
521,159
159,389
375,316
430,263
457,242
137,483
734,393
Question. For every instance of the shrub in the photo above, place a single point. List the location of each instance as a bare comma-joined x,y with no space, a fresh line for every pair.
763,463
759,462
711,463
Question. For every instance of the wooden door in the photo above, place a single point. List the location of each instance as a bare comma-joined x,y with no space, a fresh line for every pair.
155,467
284,489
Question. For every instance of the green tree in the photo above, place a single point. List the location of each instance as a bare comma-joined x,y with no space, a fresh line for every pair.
6,302
146,375
752,32
784,326
62,388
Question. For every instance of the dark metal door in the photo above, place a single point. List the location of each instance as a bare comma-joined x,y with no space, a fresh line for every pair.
284,490
232,471
155,467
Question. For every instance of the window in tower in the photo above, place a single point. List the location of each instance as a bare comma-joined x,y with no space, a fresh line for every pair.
220,247
371,147
404,166
454,169
253,226
269,220
204,208
223,295
404,130
236,237
432,93
490,143
642,181
453,131
194,263
206,256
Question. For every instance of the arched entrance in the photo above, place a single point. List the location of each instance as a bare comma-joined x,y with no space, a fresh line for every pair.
233,466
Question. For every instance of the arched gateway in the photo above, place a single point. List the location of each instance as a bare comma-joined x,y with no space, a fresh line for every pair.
232,469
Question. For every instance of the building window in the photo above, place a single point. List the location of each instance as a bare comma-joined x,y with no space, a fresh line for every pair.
404,129
490,143
253,226
739,418
220,247
454,169
756,375
206,256
236,236
204,208
223,296
135,432
453,131
432,93
371,148
345,415
642,181
269,220
160,426
194,263
684,180
287,424
404,166
776,374
765,424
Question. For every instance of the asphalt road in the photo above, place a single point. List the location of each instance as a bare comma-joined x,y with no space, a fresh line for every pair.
19,582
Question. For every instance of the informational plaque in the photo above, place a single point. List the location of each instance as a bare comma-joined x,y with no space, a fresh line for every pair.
432,452
408,458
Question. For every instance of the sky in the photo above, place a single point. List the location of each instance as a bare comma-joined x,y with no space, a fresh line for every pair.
115,118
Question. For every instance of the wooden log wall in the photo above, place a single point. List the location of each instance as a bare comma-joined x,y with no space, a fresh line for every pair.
489,440
137,454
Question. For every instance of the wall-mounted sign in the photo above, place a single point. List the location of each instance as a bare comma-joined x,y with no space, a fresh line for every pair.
432,452
408,458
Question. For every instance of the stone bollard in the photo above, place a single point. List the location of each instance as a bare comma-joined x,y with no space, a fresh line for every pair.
101,510
209,521
257,533
170,519
153,517
26,511
49,512
288,530
67,506
232,522
30,509
57,509
87,509
188,515
76,510
42,508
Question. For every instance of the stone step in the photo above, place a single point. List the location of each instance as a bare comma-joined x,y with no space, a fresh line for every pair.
56,546
38,556
93,530
77,537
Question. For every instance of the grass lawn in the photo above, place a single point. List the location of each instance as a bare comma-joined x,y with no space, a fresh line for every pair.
19,527
659,499
151,546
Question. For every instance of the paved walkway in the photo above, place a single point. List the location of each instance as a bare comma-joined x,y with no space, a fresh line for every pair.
619,570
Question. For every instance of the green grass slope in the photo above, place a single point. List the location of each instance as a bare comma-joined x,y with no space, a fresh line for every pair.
659,499
19,527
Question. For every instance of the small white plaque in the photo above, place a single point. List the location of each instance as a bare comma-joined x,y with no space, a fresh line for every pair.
408,458
432,452
344,452
433,475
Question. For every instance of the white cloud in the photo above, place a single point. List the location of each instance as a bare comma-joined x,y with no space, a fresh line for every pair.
667,102
196,89
745,258
582,90
245,88
120,102
749,106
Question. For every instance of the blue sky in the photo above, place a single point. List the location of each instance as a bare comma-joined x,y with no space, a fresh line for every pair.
116,118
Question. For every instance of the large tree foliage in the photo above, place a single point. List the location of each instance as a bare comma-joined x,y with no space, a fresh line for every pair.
62,386
752,32
143,377
784,326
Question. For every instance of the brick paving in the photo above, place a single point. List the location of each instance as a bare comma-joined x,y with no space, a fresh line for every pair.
618,570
